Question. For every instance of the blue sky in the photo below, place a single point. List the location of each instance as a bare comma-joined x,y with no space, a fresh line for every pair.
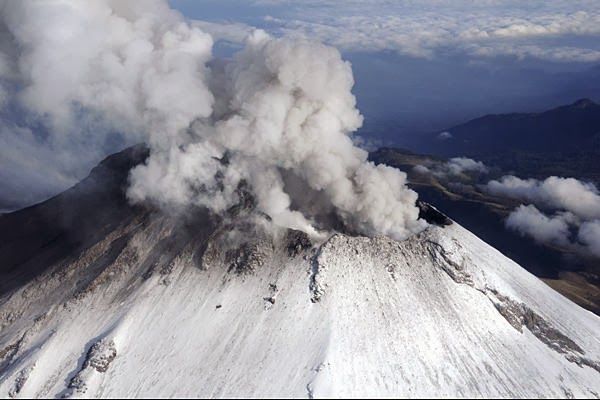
427,65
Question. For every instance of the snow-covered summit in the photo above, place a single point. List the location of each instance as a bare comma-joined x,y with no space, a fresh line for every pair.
155,305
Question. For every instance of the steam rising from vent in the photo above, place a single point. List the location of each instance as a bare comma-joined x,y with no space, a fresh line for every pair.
280,111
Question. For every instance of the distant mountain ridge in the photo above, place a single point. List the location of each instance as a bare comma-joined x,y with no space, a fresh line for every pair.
570,128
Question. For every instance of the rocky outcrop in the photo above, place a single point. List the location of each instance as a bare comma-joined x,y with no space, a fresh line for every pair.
97,359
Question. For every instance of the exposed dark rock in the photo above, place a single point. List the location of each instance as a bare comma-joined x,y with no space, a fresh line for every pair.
248,257
98,358
519,316
100,355
297,242
453,269
269,300
20,381
8,353
247,201
314,286
430,214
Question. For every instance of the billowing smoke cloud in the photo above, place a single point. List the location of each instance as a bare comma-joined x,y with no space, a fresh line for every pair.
284,107
84,79
575,223
277,118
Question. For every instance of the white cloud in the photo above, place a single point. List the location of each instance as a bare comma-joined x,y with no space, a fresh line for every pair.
444,135
236,32
421,169
575,204
543,229
454,167
460,165
481,29
580,198
589,235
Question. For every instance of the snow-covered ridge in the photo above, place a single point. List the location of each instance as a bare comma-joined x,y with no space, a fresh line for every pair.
198,307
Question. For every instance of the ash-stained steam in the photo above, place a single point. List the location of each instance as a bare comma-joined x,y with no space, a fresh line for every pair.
277,117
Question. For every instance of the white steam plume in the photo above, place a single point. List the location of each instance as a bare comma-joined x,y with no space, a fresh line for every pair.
282,110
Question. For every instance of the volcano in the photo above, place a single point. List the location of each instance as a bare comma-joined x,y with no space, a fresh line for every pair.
99,298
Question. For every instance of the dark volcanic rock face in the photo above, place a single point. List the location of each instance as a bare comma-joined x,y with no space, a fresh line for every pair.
297,242
36,237
432,215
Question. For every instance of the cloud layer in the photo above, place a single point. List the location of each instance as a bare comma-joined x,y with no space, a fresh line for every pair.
570,216
276,119
580,198
454,167
484,29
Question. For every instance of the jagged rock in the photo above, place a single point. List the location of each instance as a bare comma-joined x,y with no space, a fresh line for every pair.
100,355
297,242
98,358
20,381
247,258
432,215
